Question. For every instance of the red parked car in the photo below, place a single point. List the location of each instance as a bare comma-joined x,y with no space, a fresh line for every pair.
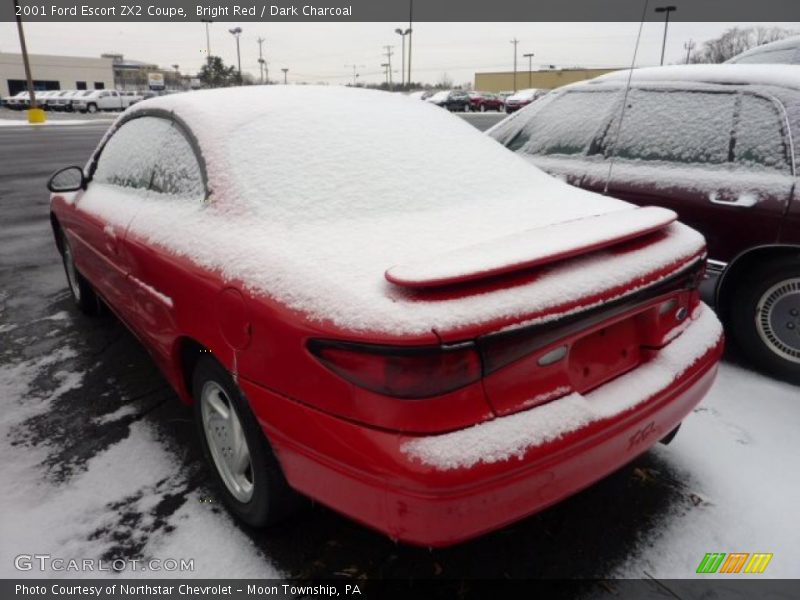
351,325
718,145
483,101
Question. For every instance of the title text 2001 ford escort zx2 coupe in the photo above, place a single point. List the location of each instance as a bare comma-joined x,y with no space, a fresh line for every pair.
373,304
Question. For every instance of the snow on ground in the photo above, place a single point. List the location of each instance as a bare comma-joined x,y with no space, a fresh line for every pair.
118,504
22,123
738,451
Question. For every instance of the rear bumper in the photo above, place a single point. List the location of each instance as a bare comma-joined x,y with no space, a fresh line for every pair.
430,498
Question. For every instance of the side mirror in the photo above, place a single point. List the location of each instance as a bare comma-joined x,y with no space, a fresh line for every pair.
70,179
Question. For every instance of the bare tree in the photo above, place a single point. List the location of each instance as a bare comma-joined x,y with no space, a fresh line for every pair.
735,41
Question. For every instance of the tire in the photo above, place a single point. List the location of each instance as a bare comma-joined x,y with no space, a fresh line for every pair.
483,108
91,108
764,318
257,492
80,289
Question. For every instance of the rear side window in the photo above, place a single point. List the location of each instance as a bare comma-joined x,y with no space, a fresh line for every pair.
760,141
177,171
129,158
675,126
566,125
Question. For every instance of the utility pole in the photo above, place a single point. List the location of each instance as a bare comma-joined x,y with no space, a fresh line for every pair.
35,114
355,75
388,54
208,38
261,58
285,71
515,41
236,32
666,10
386,71
410,20
403,35
529,56
689,46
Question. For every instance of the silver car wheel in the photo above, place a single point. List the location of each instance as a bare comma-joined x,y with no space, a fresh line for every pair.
72,273
226,441
778,319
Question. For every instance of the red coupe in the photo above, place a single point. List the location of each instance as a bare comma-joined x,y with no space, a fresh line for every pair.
360,316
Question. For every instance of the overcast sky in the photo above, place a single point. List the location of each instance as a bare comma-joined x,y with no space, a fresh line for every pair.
317,52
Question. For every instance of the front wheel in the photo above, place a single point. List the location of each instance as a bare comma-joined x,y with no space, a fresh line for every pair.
245,469
765,318
92,108
80,289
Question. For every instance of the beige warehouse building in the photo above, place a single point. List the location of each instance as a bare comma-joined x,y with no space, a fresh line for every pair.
55,73
548,79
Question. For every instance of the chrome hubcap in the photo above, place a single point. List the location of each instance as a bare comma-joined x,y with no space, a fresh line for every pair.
778,319
72,276
226,441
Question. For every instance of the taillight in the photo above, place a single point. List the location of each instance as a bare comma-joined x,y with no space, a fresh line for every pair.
400,372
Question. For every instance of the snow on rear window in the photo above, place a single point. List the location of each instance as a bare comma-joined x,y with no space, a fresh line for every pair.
759,135
682,127
130,156
566,125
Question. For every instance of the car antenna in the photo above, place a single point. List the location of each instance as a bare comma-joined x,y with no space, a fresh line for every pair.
625,97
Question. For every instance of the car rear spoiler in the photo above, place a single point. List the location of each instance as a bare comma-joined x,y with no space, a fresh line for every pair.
530,248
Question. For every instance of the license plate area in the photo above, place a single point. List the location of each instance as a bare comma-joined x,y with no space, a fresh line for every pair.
604,354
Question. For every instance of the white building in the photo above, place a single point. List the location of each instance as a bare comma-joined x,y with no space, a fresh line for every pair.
55,73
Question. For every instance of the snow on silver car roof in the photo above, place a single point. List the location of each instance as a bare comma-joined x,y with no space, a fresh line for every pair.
777,75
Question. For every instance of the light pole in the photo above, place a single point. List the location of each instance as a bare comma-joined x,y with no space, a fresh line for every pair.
410,20
285,71
261,59
208,38
177,75
236,32
666,10
355,75
515,41
403,35
35,114
529,56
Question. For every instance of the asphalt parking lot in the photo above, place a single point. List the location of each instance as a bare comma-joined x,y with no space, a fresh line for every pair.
590,535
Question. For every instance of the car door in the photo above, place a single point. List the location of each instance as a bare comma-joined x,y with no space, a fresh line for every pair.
719,158
160,280
120,174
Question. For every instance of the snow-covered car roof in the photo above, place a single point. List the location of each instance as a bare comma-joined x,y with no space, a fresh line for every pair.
312,202
777,75
778,52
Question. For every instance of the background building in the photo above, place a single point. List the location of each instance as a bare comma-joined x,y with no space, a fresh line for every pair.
55,73
547,79
135,75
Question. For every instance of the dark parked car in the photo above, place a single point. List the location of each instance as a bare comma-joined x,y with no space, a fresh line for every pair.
718,145
483,101
522,98
453,100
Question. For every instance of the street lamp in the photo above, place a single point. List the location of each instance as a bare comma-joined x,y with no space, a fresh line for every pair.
666,10
529,56
236,32
208,38
285,71
410,20
177,75
403,35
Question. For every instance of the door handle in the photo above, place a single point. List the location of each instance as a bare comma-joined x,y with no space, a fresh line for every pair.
742,199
